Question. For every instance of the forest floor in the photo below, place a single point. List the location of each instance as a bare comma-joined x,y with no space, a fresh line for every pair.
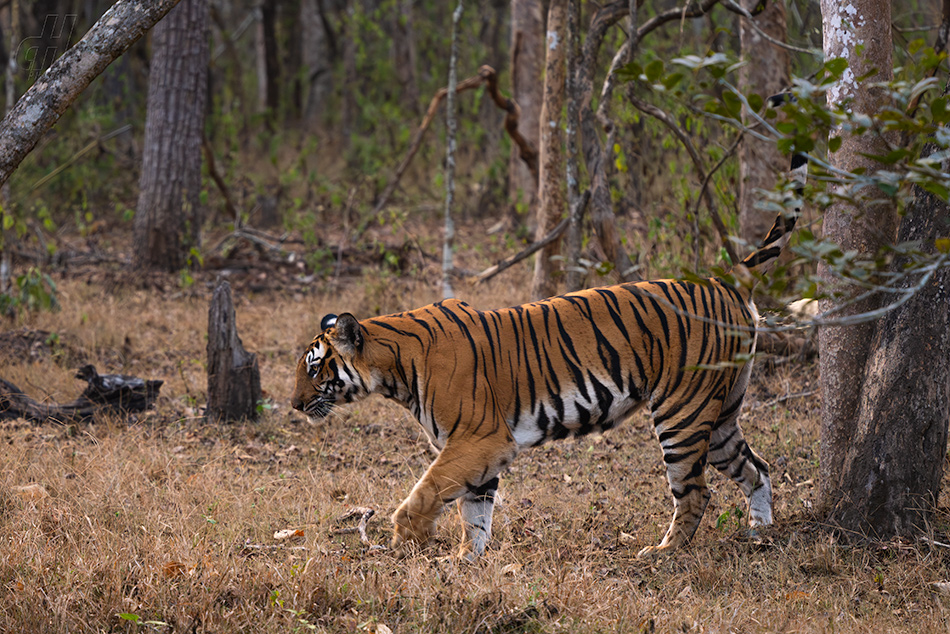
166,522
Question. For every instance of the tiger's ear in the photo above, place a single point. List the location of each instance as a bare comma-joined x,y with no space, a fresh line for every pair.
349,333
327,321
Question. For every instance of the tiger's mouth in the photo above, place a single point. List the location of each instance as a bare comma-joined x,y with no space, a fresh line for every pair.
318,408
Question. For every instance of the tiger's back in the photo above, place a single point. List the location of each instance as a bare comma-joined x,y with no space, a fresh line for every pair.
571,364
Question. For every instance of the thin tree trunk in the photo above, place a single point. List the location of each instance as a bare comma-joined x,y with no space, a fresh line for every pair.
404,56
168,216
527,63
268,69
315,51
551,174
46,100
863,226
573,278
765,73
602,215
449,243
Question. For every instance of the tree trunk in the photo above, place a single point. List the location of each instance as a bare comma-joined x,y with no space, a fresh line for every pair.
268,70
168,218
404,56
527,63
315,51
46,100
234,381
573,279
863,225
448,245
595,154
551,173
891,472
766,73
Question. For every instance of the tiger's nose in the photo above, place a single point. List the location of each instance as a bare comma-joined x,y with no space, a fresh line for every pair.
296,403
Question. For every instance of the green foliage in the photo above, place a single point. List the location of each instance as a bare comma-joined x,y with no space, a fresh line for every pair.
32,291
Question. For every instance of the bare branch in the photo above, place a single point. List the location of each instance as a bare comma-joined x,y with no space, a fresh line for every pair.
46,100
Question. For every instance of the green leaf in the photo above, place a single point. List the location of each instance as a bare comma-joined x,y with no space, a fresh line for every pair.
128,616
834,143
942,245
654,70
836,66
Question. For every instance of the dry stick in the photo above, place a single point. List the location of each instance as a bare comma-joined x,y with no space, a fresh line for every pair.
555,233
365,514
219,181
486,75
665,118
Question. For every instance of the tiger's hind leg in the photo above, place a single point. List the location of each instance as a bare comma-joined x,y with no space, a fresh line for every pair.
730,454
683,431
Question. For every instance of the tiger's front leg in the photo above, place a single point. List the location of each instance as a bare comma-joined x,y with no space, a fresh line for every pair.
466,470
475,511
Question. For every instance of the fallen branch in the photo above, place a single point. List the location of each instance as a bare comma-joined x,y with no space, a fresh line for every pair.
555,233
105,392
486,75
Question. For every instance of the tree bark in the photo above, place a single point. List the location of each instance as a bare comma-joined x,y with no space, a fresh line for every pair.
601,212
765,73
315,53
42,105
234,381
551,174
268,68
450,121
863,225
890,475
168,218
572,277
527,63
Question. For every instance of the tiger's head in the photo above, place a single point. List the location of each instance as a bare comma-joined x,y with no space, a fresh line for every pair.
328,373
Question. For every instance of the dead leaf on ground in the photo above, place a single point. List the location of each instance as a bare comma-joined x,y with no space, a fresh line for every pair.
288,533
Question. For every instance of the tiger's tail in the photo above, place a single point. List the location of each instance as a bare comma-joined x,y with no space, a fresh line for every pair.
762,259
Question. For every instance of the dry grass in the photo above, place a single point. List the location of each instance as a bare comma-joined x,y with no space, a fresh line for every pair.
172,519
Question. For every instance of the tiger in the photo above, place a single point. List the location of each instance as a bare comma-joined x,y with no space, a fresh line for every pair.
486,385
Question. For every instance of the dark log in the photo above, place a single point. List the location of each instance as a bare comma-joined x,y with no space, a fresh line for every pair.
234,380
105,393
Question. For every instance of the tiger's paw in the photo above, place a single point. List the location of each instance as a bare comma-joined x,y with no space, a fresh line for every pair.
412,531
652,552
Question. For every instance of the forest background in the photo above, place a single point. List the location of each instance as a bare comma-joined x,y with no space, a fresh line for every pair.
168,521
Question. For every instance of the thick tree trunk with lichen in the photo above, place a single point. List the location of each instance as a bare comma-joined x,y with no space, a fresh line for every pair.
890,476
766,73
42,105
857,361
551,174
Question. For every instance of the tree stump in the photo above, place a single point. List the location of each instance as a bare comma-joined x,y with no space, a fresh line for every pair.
234,380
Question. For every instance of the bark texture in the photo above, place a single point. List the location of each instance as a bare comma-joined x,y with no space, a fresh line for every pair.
168,215
890,476
315,51
766,73
863,226
551,202
234,381
527,64
42,105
